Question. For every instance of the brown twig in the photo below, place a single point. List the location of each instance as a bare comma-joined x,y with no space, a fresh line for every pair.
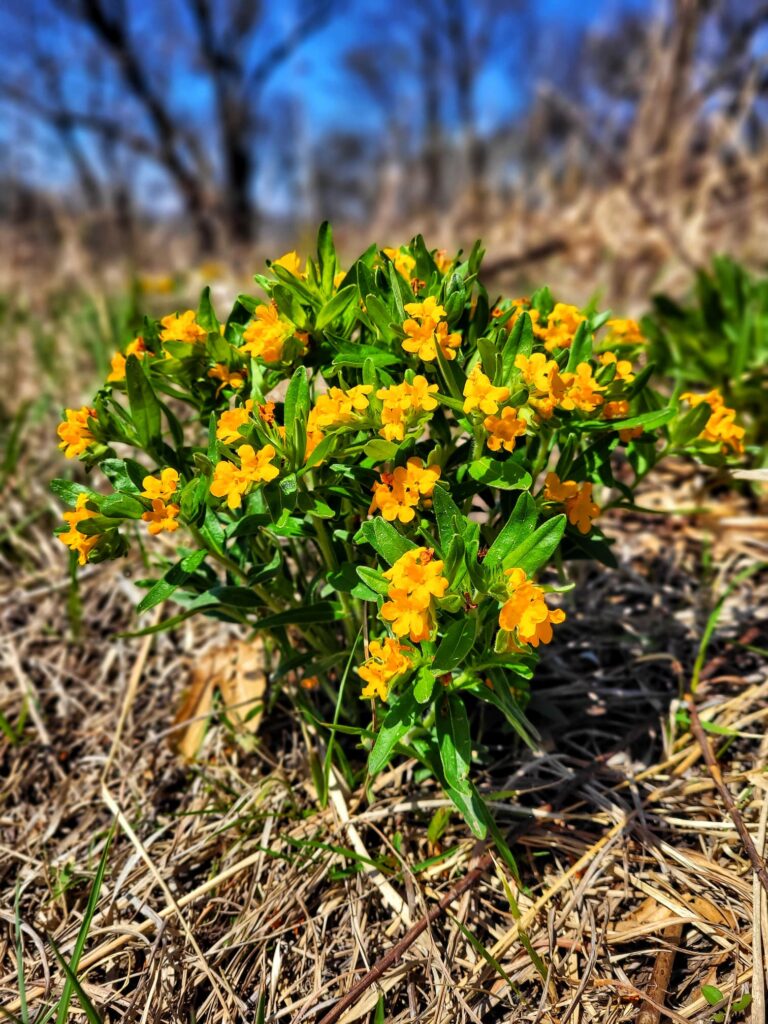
392,956
717,777
657,991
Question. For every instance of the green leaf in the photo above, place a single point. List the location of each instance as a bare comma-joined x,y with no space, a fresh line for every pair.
400,719
380,450
454,741
712,994
205,314
506,476
304,615
145,408
336,306
297,401
455,645
519,525
68,491
690,425
581,346
372,579
238,597
326,257
472,809
176,576
122,506
537,548
384,539
447,514
424,684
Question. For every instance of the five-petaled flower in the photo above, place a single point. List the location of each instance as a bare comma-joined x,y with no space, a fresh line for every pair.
161,487
72,538
229,423
403,406
415,581
480,393
74,431
398,493
229,378
577,498
385,662
525,612
231,481
503,430
426,329
182,327
266,334
136,348
161,517
721,427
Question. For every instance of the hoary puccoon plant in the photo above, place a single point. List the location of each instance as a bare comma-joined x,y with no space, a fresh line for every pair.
381,473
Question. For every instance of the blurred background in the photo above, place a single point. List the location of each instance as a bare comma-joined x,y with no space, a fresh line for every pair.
605,147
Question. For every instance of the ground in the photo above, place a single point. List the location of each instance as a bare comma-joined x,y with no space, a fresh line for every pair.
229,893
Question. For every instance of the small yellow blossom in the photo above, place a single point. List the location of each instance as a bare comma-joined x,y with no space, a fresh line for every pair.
290,261
74,432
526,612
623,366
385,662
562,324
403,404
266,334
399,492
229,423
721,427
72,537
577,498
582,390
443,261
625,332
503,430
163,487
480,394
337,407
229,378
404,263
415,581
616,410
231,482
338,277
136,348
162,517
182,327
426,328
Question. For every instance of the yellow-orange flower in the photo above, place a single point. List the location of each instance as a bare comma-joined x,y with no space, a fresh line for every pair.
616,410
182,327
426,328
415,580
266,334
629,434
385,661
231,481
398,493
582,390
404,263
562,324
72,537
136,348
229,423
577,498
480,394
290,261
721,427
502,430
267,413
74,432
625,332
526,612
403,404
161,488
623,366
162,517
229,378
443,261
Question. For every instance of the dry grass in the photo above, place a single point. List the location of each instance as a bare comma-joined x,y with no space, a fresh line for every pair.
227,884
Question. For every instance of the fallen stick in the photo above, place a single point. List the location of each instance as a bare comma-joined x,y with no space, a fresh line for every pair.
758,864
392,956
656,993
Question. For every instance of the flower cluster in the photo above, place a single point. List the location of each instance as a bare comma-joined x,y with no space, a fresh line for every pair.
415,580
721,428
525,615
376,451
